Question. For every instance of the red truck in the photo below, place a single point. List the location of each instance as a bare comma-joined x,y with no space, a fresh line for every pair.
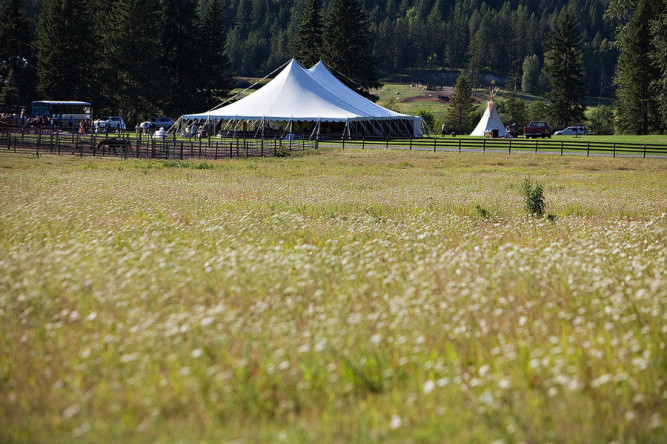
537,129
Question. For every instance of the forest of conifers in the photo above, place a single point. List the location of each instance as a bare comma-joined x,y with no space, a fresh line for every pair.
482,35
163,46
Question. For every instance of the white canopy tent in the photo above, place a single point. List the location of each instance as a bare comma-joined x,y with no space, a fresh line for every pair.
314,96
489,121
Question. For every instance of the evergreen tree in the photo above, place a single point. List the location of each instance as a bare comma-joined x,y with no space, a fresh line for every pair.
181,61
659,31
564,69
308,42
130,61
216,81
637,105
460,105
9,95
347,45
530,81
16,55
66,55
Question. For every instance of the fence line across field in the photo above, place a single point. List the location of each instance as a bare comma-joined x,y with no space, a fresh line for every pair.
120,145
237,145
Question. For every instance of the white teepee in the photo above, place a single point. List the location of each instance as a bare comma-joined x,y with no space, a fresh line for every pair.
490,120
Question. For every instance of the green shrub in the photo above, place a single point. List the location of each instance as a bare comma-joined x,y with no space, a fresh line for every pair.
484,214
534,198
601,120
429,119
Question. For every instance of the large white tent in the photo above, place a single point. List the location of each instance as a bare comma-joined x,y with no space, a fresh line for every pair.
489,121
315,97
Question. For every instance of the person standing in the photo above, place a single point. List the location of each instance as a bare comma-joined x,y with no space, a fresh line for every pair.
71,123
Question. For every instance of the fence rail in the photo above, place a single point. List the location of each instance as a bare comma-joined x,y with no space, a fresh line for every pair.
121,145
38,141
508,145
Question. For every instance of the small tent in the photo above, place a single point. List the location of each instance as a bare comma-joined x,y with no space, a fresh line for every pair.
490,120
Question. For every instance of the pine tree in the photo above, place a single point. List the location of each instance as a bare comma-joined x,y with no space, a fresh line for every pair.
65,49
216,81
461,105
659,32
181,61
530,81
9,95
347,45
564,69
308,42
16,55
637,105
130,61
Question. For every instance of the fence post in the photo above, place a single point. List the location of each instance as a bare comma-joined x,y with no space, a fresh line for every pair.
483,145
231,149
343,141
261,145
561,148
644,151
435,141
536,146
510,145
410,143
510,148
216,151
363,142
460,146
588,149
614,151
51,143
181,150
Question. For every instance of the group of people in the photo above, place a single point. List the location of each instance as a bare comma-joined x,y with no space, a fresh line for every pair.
14,118
193,131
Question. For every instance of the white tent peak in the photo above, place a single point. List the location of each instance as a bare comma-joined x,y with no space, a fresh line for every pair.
308,95
489,121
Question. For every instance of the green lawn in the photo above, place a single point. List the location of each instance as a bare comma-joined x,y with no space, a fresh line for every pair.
338,296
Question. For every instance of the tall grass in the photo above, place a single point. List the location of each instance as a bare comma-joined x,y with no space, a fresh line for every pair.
348,296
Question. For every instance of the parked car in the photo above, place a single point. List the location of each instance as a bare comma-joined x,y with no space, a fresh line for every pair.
572,131
162,122
101,122
537,129
111,122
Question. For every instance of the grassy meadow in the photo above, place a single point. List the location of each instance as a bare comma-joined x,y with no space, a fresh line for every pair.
338,296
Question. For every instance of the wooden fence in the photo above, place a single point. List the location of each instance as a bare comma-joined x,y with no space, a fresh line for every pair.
122,145
553,146
38,141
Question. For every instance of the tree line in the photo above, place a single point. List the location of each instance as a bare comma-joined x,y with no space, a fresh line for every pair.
139,57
